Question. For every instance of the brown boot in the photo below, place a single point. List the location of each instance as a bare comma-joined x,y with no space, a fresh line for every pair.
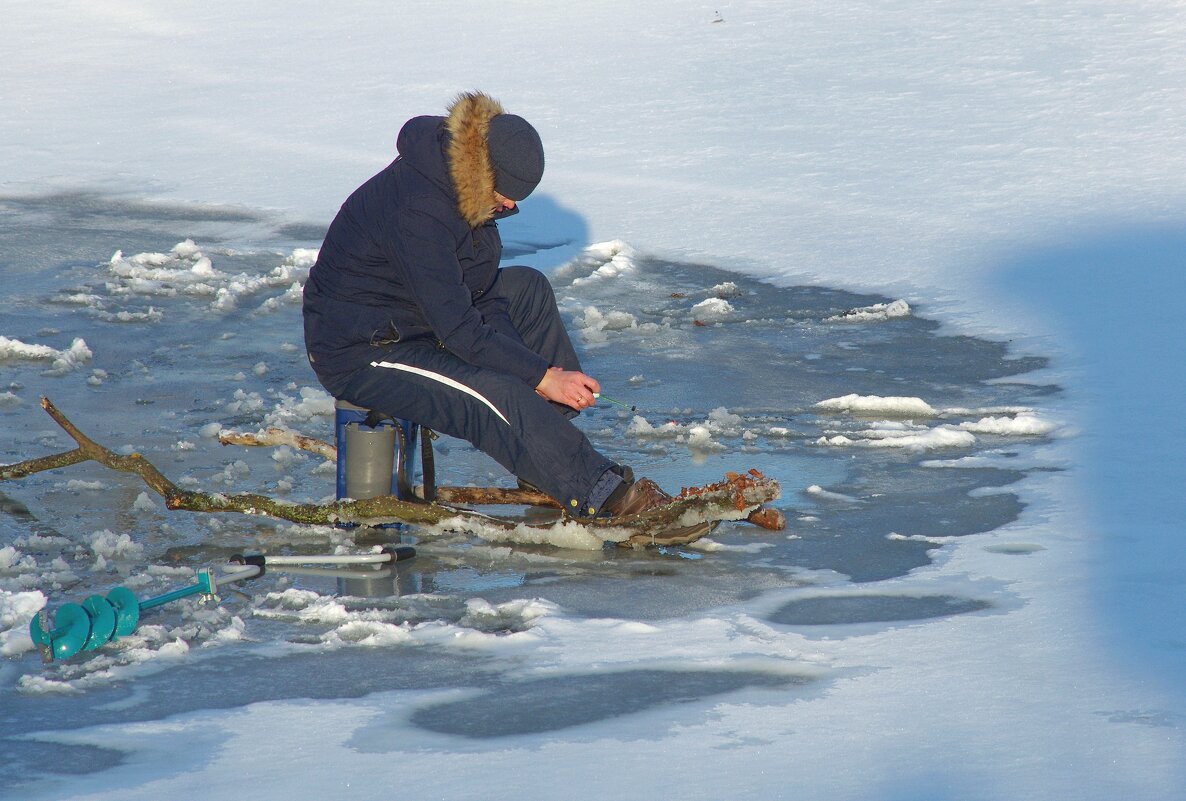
635,498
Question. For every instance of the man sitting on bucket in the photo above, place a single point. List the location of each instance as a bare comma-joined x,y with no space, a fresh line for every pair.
408,313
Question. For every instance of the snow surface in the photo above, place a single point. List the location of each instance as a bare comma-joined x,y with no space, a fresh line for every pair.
1013,171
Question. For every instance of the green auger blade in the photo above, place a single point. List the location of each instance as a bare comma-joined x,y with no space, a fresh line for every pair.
102,616
127,611
67,636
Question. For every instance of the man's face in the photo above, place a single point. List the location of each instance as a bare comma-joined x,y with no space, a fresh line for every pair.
502,203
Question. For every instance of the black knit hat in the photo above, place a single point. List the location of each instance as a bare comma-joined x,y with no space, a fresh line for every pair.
516,154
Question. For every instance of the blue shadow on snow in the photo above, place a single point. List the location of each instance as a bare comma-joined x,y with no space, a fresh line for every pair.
1120,296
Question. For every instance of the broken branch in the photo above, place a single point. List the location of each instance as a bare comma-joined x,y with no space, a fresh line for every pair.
739,496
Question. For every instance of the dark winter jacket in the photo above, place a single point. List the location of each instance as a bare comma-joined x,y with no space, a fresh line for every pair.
413,253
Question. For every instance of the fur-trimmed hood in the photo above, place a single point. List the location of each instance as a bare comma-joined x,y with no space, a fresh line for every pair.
452,153
468,155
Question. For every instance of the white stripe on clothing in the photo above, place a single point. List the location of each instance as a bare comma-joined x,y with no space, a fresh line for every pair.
444,379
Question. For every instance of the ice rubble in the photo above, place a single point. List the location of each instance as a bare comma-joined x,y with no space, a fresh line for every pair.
899,431
615,260
701,436
187,270
603,261
61,361
875,313
16,610
875,404
902,432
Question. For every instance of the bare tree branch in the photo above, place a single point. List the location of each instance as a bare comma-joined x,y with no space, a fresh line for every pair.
281,436
41,464
763,517
739,496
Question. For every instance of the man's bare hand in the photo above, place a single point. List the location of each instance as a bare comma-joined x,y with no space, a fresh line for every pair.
569,387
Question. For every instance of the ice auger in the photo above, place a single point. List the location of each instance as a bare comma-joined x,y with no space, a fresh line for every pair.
98,620
102,619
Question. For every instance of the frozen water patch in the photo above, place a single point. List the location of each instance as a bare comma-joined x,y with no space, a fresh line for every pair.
532,603
1015,548
554,703
833,610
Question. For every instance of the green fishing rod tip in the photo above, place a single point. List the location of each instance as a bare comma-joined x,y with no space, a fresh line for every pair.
599,396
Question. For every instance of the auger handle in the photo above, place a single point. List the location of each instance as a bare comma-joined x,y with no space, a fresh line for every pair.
207,585
389,555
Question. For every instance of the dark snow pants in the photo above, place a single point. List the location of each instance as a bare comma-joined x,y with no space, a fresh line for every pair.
421,381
